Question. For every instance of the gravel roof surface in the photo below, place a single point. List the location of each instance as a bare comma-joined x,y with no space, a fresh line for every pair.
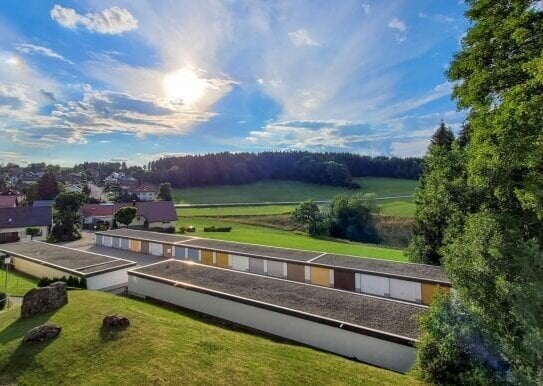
420,271
145,235
72,259
253,250
366,311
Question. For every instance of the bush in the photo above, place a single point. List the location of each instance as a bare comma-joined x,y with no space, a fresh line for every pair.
3,300
71,281
191,228
394,231
182,230
217,229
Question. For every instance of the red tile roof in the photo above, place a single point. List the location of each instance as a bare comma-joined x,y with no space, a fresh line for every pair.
8,201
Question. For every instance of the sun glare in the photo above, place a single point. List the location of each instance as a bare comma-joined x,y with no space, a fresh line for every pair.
184,85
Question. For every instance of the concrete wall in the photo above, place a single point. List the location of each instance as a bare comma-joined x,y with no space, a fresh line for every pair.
38,270
379,352
108,280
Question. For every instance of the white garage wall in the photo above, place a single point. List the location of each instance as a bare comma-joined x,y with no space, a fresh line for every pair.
107,241
108,280
38,270
372,350
406,290
99,239
240,263
373,285
155,249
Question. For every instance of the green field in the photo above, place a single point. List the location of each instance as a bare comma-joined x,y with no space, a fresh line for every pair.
399,207
281,238
284,191
162,346
18,284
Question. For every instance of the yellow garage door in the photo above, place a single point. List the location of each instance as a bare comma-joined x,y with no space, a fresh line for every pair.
207,257
135,245
320,276
222,260
430,290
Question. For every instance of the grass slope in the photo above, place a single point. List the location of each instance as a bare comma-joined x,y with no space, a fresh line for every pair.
18,283
280,238
277,191
163,346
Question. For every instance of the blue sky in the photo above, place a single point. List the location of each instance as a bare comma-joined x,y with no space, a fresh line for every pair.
137,80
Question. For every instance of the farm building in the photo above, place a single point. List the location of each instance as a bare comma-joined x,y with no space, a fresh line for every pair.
39,259
416,283
378,331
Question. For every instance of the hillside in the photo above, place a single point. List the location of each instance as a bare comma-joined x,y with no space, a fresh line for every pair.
163,346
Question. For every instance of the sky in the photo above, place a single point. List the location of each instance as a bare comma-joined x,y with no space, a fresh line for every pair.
138,80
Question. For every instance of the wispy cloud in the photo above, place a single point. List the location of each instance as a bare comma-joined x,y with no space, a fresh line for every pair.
32,49
301,38
113,21
400,27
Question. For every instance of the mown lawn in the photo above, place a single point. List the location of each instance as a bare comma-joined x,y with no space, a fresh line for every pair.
163,347
284,191
18,283
281,238
398,207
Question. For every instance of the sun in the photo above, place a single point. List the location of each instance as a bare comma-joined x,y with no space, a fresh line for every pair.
184,85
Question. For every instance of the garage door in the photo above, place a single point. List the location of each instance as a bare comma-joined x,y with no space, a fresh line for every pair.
256,265
167,250
277,268
144,246
222,260
116,242
207,257
405,290
125,244
344,280
430,290
180,253
320,276
135,245
156,249
296,272
99,240
107,241
373,285
240,263
193,254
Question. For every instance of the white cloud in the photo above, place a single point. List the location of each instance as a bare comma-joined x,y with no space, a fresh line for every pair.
32,49
113,21
366,7
301,38
397,24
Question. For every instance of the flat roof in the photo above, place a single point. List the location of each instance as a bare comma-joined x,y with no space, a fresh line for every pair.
394,318
401,270
145,235
421,271
71,260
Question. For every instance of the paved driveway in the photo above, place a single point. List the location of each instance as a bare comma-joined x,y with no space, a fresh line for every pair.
86,243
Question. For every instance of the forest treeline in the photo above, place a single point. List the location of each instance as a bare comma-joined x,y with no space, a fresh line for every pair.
336,169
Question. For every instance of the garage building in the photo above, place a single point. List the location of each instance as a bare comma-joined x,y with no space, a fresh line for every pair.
378,331
40,259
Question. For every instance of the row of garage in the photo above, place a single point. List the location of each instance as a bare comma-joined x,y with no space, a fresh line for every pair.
415,291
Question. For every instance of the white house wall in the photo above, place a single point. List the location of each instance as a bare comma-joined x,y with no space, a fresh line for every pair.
368,349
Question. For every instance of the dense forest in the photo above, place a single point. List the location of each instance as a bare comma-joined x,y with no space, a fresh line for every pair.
242,168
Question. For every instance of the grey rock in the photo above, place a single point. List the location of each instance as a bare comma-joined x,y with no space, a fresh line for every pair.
45,299
42,333
115,322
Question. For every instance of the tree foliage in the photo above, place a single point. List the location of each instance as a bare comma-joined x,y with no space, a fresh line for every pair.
165,191
48,187
32,232
493,253
308,214
66,216
351,217
126,215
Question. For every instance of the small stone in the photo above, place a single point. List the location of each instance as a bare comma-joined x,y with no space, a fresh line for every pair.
42,333
115,322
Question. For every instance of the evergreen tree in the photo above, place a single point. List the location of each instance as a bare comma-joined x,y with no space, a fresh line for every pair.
165,191
48,187
439,192
66,216
495,261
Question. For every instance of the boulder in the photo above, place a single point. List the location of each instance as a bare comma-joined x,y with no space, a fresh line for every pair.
115,322
45,299
42,333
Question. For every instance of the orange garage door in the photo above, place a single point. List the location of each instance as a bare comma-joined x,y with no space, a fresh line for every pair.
320,276
430,290
207,257
135,245
222,260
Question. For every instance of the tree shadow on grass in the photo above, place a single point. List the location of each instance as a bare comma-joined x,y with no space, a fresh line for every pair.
23,356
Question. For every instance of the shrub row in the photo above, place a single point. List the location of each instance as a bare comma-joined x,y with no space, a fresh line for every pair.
217,229
71,281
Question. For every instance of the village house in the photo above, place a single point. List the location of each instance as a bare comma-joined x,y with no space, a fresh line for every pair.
8,201
143,192
151,214
15,220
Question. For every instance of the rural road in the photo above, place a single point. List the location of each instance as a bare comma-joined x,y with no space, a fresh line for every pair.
263,203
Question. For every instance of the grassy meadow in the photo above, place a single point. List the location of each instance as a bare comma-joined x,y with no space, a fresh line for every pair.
17,284
285,191
163,346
